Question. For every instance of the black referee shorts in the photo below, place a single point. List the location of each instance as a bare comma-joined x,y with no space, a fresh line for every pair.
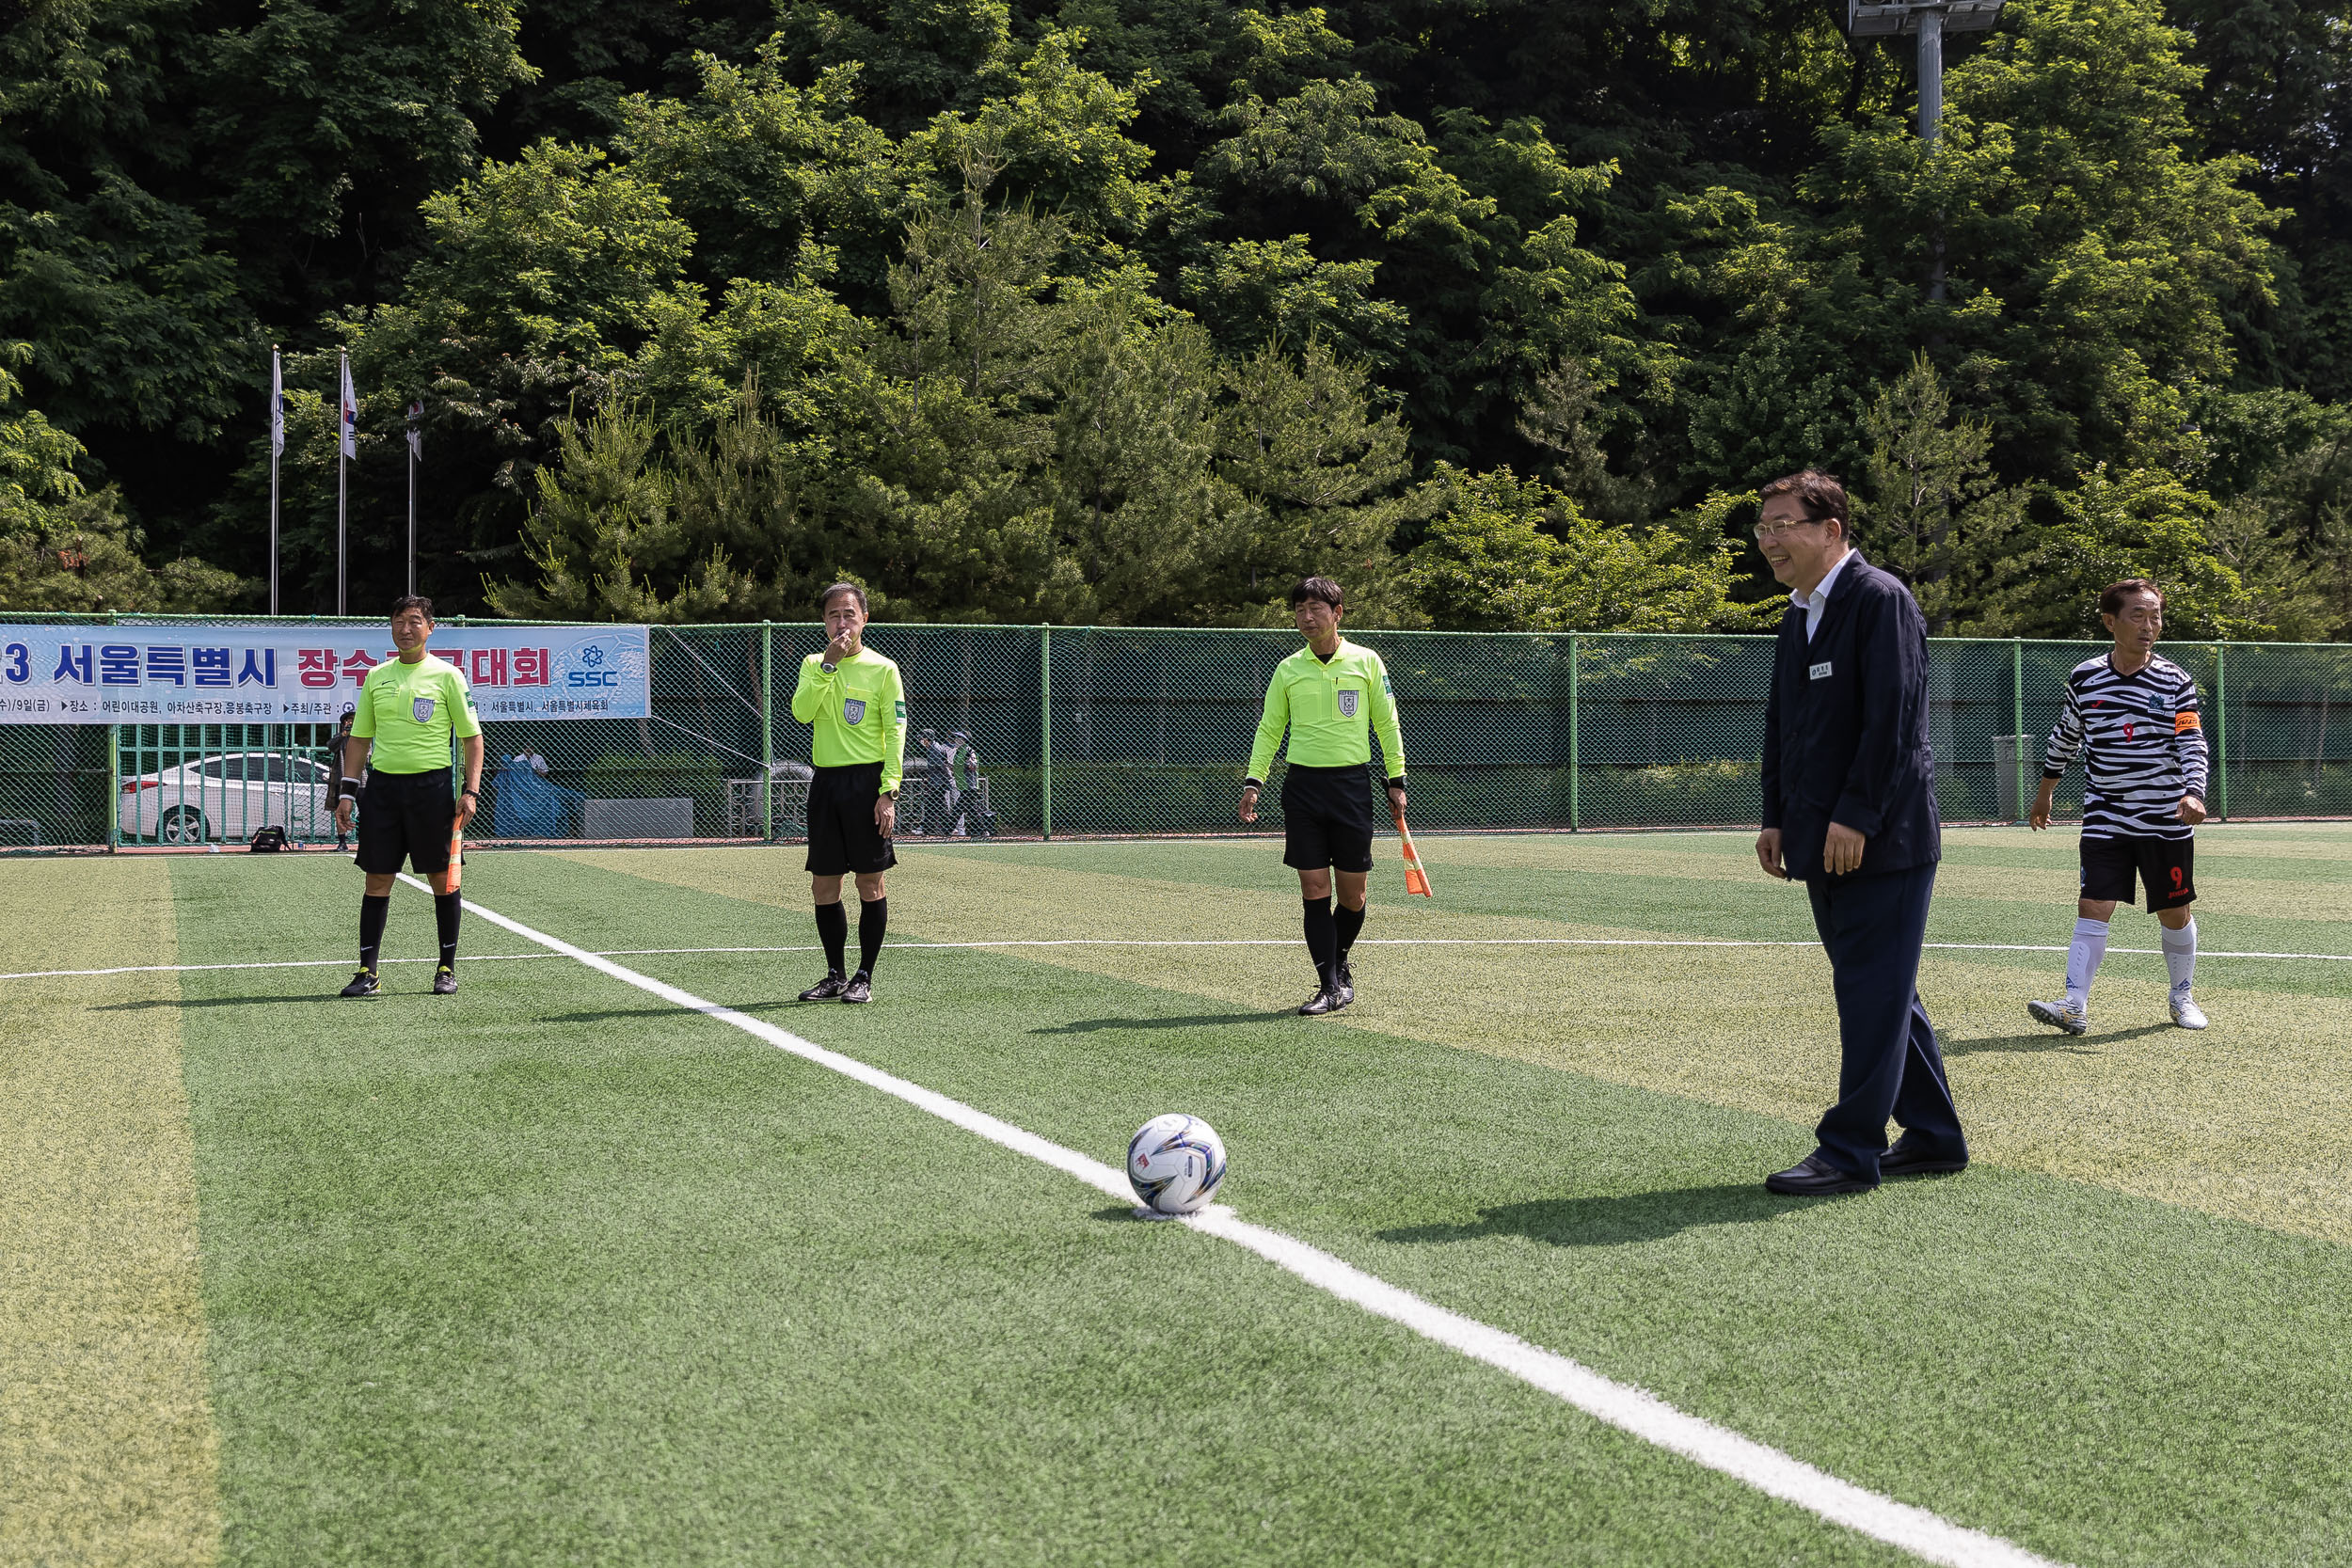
2167,867
405,816
842,838
1326,818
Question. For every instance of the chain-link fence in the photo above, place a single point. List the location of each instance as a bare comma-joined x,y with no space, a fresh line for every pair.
1028,732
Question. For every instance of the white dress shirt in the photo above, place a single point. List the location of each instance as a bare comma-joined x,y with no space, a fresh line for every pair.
1817,601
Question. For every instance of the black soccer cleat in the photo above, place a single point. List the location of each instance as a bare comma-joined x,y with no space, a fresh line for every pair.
362,984
860,989
1347,984
445,981
827,989
1326,1001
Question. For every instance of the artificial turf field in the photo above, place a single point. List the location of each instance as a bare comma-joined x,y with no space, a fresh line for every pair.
556,1270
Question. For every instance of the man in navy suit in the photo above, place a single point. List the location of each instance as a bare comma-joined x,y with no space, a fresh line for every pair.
1850,811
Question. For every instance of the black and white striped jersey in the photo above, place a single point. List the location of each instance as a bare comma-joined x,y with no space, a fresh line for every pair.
2143,744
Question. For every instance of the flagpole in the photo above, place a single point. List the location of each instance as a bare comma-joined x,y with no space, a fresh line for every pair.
277,444
412,497
343,492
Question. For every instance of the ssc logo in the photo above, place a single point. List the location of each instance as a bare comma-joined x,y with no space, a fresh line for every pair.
422,709
853,711
1348,702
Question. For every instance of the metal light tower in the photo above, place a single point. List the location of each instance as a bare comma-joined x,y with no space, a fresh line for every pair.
1928,20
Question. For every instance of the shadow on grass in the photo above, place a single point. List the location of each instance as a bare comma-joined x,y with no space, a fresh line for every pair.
611,1015
1196,1021
2072,1045
1613,1221
214,1002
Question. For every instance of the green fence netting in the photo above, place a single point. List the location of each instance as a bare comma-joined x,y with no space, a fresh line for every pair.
1028,731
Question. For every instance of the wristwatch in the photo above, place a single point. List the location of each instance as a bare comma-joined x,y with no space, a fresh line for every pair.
828,669
889,794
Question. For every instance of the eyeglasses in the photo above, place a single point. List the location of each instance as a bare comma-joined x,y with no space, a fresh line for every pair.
1773,531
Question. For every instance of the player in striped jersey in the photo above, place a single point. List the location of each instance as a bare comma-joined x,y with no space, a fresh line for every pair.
2135,720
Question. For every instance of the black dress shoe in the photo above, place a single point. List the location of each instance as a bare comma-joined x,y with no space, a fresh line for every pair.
1914,1156
1814,1177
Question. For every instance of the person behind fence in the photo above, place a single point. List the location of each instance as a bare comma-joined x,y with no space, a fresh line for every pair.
1849,799
2135,716
410,708
1330,695
855,705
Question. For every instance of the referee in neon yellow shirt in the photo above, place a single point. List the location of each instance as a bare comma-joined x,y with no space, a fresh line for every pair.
855,707
409,711
1330,695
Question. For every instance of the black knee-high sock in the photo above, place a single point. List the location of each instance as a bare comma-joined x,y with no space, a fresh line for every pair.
1347,922
446,915
873,916
372,909
833,929
1322,937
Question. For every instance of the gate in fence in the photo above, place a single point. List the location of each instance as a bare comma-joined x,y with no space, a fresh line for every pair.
1030,731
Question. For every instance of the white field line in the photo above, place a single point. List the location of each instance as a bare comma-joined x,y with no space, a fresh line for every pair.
1145,942
1621,1405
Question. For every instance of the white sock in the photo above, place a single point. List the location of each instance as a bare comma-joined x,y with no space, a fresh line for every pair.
2180,953
2082,961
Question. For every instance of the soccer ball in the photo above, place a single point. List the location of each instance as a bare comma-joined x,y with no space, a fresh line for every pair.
1175,1163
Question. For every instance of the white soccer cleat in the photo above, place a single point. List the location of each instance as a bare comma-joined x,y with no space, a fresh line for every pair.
2061,1015
2186,1013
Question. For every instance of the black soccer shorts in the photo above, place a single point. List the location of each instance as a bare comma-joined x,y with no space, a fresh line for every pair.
1326,818
405,816
2166,865
842,837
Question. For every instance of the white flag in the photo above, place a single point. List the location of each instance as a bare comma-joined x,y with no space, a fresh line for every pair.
416,430
277,405
351,413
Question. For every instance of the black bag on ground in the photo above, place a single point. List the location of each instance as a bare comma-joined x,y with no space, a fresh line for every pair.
268,841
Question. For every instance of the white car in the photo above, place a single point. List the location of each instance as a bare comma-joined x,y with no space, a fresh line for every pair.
228,798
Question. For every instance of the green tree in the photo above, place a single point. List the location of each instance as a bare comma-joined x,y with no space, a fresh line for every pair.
1935,515
1512,554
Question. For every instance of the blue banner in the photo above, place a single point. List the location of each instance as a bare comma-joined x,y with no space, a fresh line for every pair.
216,674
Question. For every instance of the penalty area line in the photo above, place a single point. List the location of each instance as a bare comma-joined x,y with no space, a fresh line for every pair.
1621,1405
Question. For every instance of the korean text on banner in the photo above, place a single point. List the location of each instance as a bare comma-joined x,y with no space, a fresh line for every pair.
192,674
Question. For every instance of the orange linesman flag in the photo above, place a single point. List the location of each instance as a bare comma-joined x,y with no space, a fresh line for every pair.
456,854
1416,878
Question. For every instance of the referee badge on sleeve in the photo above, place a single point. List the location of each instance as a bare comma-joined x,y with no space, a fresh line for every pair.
422,709
853,711
1349,700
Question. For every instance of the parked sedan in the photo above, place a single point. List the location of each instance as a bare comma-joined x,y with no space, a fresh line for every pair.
229,797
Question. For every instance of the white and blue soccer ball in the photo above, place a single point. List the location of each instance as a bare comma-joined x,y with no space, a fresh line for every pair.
1175,1163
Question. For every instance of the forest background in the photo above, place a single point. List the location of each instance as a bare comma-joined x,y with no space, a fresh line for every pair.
1101,310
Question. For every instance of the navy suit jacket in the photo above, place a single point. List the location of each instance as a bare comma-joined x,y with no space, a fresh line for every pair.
1846,729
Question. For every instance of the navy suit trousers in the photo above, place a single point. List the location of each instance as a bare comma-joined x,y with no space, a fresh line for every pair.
1873,927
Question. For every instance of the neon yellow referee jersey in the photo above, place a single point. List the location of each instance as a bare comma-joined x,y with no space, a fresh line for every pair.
410,711
1331,708
856,714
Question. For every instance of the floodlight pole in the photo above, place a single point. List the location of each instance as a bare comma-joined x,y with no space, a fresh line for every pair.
1930,73
1930,116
